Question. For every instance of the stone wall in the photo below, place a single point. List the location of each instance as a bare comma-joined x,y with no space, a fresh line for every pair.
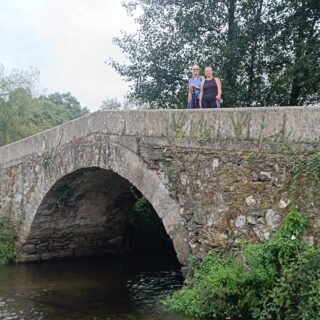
215,177
228,197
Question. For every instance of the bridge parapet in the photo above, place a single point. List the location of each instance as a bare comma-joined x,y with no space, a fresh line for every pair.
295,124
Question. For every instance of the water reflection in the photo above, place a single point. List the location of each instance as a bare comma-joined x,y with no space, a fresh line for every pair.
99,288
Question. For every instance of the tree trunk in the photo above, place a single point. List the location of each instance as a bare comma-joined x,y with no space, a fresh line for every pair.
229,80
253,53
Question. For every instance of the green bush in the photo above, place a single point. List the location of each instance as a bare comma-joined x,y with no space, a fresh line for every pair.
278,280
8,236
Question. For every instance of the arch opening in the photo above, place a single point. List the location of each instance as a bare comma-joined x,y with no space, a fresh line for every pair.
94,211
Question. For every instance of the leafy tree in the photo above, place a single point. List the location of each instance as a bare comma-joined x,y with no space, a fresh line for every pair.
22,114
296,33
111,104
53,114
155,70
266,52
115,104
17,79
70,103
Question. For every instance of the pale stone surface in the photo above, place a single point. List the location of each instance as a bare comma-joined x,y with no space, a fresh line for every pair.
267,235
264,176
250,201
240,221
252,220
215,164
284,203
183,179
273,219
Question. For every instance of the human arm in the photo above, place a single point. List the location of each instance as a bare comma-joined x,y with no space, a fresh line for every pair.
189,95
219,89
201,93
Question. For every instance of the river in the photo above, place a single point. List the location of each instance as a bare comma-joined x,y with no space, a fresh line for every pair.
122,288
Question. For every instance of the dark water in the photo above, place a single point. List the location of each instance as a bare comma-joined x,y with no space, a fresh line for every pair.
95,288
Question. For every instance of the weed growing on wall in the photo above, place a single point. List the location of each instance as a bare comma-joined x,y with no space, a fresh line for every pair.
240,124
61,193
177,125
8,236
306,179
47,161
279,279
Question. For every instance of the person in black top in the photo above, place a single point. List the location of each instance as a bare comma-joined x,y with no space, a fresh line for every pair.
210,91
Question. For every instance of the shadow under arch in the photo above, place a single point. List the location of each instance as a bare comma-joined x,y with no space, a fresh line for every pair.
85,213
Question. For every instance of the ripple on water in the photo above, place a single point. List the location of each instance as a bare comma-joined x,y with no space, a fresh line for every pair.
148,289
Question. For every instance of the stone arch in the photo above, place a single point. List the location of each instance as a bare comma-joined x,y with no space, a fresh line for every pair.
107,153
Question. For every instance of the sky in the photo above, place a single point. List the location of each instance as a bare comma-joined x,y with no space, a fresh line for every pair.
68,42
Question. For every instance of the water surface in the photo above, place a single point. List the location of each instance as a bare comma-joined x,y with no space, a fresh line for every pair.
126,288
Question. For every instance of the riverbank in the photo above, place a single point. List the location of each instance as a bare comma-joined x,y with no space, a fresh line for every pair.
278,279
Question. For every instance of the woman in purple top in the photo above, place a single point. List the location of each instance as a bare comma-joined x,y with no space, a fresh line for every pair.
194,88
210,91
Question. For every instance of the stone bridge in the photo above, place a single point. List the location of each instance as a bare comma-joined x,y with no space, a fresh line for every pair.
214,177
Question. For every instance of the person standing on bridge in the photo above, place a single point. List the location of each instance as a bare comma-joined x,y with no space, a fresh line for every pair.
210,90
194,88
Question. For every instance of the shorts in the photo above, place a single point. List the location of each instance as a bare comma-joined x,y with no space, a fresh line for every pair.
209,104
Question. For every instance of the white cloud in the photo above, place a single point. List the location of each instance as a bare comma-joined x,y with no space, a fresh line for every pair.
68,41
